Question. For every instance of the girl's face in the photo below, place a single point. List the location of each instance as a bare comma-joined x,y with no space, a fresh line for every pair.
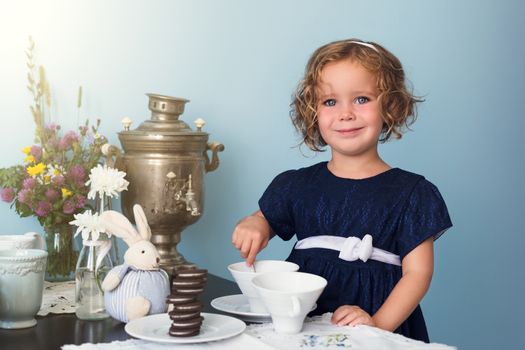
348,111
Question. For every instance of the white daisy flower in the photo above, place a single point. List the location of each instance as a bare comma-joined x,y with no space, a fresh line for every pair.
89,225
55,170
106,181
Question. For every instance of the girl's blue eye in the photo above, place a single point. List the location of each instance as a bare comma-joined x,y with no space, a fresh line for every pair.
361,100
329,103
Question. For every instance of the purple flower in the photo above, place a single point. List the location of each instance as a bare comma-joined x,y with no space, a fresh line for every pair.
81,201
51,126
67,141
71,135
77,173
53,143
24,196
36,151
68,207
43,208
52,194
7,194
29,183
63,144
58,180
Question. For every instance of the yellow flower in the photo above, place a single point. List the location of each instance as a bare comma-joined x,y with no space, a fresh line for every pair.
37,169
66,193
26,150
57,172
47,179
29,159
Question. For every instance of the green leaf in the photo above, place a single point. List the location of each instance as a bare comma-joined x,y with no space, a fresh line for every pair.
12,176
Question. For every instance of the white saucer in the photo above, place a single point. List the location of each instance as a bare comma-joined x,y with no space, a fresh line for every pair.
238,306
155,328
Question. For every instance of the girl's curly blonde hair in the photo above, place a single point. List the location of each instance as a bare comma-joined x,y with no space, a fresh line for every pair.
397,105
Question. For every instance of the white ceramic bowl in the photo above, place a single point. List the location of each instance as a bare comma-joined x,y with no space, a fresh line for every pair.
289,296
243,276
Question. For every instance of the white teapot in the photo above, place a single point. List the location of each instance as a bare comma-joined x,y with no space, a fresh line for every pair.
29,240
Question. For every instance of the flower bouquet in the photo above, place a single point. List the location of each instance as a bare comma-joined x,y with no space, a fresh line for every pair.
51,183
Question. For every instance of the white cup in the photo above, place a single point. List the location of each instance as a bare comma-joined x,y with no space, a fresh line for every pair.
289,296
243,276
21,286
30,240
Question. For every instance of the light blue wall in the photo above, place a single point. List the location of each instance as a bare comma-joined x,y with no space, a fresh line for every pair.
238,63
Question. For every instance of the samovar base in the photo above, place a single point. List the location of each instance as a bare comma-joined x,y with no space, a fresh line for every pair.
166,242
171,264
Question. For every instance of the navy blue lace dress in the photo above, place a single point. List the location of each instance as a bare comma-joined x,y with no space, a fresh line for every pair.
398,208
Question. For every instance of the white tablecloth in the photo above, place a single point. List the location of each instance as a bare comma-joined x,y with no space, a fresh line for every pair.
317,333
240,342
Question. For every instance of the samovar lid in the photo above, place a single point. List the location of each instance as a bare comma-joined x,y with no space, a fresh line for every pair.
165,113
164,132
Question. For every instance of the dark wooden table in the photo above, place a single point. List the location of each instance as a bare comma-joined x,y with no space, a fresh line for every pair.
53,331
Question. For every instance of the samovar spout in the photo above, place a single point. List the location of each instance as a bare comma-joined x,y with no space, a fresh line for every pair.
192,207
191,204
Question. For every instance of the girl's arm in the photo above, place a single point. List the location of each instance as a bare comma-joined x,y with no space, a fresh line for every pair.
418,266
251,235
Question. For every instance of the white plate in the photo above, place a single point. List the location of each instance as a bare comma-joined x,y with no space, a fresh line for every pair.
238,305
156,327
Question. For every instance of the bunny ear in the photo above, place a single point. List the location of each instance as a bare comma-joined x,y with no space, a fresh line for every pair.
117,224
142,222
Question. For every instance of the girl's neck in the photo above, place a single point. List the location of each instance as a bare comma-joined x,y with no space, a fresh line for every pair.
357,168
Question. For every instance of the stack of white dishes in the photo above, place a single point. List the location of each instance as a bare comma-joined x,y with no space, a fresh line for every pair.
272,291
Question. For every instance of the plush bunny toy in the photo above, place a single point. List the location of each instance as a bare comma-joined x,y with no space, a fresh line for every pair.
138,287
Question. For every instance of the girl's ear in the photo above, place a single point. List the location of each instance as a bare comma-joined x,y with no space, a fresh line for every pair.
142,222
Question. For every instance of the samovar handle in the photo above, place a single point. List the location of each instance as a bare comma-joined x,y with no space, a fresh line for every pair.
215,148
112,154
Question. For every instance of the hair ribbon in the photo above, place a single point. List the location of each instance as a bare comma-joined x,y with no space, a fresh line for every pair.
364,44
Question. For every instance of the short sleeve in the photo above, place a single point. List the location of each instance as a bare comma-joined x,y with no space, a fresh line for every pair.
425,216
275,204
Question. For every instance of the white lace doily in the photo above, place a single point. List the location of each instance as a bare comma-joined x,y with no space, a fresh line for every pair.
58,298
318,332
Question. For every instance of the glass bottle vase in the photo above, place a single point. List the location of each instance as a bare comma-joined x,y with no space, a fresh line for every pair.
62,253
103,203
93,265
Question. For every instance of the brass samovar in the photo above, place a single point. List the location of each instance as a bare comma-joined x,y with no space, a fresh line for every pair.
165,162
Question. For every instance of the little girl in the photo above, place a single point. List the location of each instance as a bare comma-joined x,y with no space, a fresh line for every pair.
364,226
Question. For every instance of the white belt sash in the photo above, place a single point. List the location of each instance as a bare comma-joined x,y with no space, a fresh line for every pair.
351,248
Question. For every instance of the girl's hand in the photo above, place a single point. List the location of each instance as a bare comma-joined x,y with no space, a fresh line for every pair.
351,315
251,235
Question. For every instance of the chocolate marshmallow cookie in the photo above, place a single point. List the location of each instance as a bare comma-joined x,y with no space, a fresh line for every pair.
187,285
